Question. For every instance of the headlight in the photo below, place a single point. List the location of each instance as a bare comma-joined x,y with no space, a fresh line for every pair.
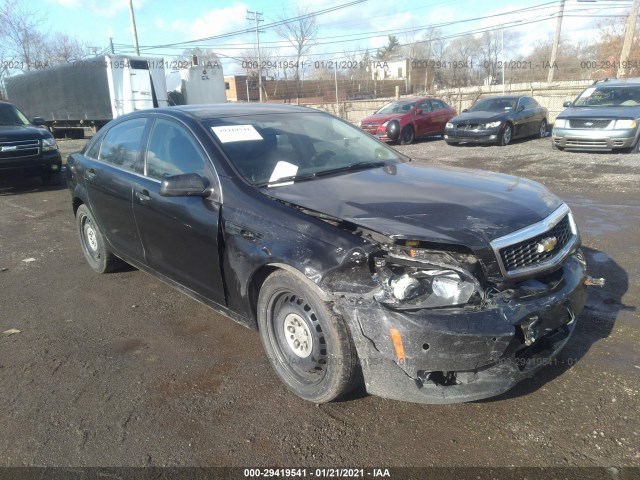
359,123
620,124
492,124
449,125
49,144
386,123
419,278
560,123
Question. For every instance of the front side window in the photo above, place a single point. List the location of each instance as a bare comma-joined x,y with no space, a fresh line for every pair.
265,148
123,143
172,150
10,116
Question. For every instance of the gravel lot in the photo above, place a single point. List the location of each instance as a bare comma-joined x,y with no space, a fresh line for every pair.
120,369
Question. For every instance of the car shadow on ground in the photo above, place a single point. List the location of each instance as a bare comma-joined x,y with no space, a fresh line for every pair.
14,185
595,323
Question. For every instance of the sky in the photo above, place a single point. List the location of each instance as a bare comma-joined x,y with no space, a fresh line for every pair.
356,27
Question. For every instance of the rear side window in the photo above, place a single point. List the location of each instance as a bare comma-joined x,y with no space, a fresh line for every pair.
122,144
438,105
173,150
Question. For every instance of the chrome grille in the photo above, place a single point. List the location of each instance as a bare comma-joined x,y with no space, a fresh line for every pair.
538,247
19,149
468,126
586,142
588,123
525,254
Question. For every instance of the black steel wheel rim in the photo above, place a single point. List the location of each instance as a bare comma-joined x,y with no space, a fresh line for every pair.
288,310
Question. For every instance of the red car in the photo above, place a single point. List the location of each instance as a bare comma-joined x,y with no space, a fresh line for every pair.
407,119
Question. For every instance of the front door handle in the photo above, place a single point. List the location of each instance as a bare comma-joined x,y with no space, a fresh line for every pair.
90,174
143,196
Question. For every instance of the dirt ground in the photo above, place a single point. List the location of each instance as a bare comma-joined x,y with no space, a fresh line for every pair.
120,369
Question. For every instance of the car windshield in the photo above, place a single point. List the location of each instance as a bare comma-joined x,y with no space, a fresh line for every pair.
609,96
495,105
10,115
274,148
397,107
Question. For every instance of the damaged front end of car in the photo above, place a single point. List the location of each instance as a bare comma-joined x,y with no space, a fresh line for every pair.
431,326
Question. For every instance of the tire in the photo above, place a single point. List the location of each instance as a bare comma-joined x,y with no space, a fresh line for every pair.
542,129
407,135
452,143
53,179
319,369
506,135
99,258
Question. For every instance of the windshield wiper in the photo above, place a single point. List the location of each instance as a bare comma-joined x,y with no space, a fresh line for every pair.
310,176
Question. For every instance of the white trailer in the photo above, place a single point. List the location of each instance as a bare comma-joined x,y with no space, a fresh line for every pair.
89,92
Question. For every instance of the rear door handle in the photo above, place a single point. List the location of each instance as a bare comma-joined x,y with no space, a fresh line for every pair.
143,196
90,174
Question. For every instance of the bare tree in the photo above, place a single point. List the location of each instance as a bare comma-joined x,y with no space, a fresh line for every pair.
20,35
301,33
490,49
61,48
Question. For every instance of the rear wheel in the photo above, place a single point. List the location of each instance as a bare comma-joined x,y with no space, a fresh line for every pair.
93,245
542,129
407,135
309,346
451,143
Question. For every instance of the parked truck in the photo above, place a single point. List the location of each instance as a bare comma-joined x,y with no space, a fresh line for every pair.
89,93
200,83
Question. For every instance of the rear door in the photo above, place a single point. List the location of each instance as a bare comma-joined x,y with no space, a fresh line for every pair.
424,120
179,234
109,180
440,115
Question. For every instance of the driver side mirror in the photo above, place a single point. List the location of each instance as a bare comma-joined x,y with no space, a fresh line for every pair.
184,185
465,110
567,103
419,111
520,108
37,121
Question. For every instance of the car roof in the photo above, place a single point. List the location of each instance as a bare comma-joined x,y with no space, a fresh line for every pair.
218,110
619,81
506,97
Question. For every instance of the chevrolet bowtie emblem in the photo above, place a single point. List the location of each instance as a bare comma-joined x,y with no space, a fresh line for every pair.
546,244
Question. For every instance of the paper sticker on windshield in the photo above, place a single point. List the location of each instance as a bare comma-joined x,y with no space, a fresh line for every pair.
282,170
587,93
236,133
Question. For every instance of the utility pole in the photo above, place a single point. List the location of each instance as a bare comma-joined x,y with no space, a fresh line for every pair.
629,31
257,17
502,48
133,28
556,41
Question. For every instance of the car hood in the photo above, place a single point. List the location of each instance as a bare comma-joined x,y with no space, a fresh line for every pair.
409,201
10,133
478,117
600,112
380,119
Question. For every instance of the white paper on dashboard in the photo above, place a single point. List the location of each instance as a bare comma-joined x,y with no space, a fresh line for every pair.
281,170
236,133
588,92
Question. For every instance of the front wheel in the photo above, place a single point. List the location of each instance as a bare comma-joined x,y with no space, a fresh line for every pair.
99,258
308,345
406,137
505,136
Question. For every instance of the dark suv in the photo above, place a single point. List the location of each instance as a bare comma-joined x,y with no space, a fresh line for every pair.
27,149
603,117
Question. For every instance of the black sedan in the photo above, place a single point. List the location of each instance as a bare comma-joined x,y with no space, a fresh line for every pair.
498,120
435,285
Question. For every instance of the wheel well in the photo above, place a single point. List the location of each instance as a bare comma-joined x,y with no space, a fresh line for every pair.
257,280
76,204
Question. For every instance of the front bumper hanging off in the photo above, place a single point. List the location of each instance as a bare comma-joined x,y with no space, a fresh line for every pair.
458,355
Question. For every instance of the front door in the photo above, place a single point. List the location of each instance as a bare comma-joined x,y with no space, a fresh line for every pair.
179,234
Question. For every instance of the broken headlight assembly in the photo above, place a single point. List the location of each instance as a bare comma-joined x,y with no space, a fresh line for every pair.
411,278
